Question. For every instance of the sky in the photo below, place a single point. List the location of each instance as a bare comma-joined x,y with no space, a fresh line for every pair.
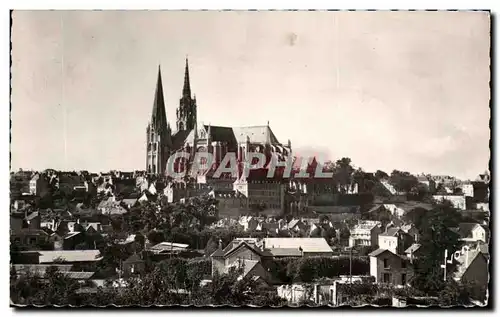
390,90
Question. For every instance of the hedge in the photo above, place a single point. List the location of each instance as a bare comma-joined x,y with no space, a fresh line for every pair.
308,269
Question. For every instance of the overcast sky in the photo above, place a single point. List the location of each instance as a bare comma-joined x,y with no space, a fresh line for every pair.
390,90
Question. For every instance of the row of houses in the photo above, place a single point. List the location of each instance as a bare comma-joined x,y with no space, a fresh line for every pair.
369,233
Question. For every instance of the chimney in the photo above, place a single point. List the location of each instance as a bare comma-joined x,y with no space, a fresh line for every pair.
264,244
220,244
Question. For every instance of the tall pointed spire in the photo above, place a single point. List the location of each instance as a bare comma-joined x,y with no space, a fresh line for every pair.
158,115
186,90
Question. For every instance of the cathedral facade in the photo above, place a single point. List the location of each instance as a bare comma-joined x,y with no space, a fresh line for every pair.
190,137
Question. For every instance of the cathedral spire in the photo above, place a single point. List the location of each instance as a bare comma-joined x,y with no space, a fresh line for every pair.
158,115
186,90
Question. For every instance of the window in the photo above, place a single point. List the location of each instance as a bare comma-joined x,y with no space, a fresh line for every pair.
386,263
403,279
386,278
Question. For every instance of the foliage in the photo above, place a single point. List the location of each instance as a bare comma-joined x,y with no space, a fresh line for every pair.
174,281
436,237
230,289
53,289
308,269
343,174
381,214
381,175
461,294
403,181
212,245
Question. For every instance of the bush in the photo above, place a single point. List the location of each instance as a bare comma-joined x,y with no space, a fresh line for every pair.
311,268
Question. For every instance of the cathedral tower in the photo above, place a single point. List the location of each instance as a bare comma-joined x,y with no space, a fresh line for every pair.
186,113
158,133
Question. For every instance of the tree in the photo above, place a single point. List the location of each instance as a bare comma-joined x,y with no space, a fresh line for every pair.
342,174
436,236
381,175
324,219
461,294
403,181
232,289
212,245
53,289
155,236
415,216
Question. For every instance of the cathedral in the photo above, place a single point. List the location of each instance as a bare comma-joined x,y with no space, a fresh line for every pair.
163,141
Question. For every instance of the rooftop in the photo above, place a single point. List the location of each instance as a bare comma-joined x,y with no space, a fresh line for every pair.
70,256
306,244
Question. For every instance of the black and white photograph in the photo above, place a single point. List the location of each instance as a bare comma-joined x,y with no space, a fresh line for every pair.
250,158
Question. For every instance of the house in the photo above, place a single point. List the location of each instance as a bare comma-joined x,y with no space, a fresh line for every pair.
143,198
241,254
152,189
71,256
390,268
57,241
473,232
72,239
472,266
111,207
413,252
395,210
133,265
307,246
411,205
16,221
29,237
395,240
168,248
39,269
483,206
458,201
128,203
429,183
39,185
389,187
69,182
326,292
59,257
142,183
467,189
365,233
297,226
251,224
412,231
481,191
20,204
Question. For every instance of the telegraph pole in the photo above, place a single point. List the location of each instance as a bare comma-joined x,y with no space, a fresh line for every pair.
350,265
443,266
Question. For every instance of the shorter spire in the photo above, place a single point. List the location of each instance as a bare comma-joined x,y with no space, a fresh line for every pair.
158,115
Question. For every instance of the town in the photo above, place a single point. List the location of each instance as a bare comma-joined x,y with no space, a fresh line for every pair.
245,237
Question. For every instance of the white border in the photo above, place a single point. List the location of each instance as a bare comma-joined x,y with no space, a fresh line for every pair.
193,5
